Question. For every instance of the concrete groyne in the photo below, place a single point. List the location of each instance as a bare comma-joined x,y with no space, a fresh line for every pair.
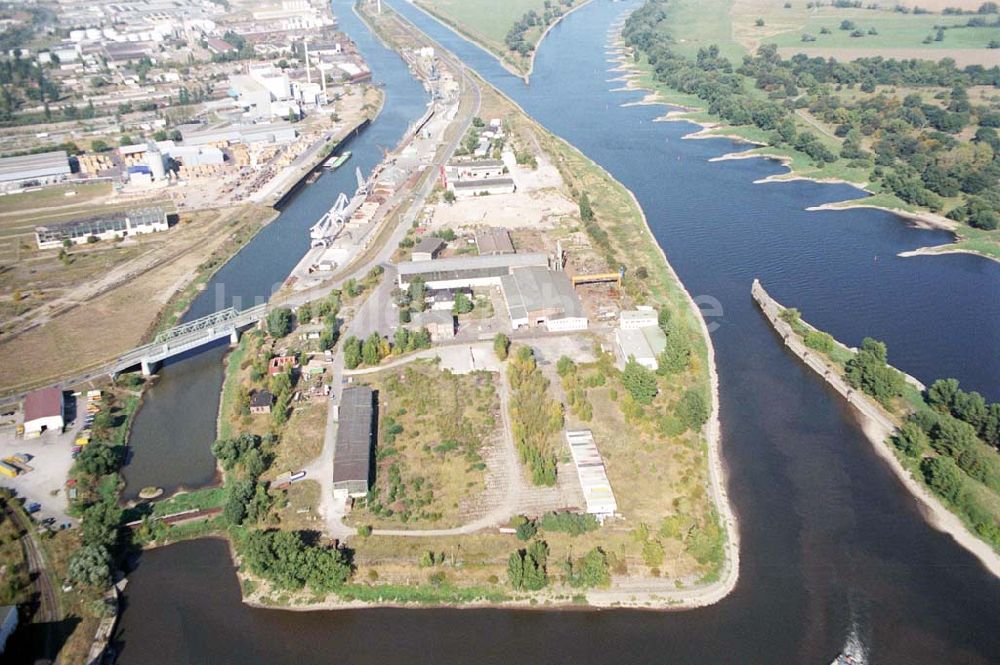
878,425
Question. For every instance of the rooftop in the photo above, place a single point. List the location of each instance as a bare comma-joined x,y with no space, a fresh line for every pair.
478,163
646,342
353,450
429,244
261,398
594,481
26,166
486,182
433,316
473,263
44,403
536,288
96,224
494,241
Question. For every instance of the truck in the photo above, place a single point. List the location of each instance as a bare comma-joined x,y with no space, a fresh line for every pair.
8,470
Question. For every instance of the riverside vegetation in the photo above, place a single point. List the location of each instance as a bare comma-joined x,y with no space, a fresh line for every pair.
909,130
947,438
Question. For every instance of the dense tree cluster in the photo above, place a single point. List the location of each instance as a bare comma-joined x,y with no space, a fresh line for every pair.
589,571
287,560
945,396
918,149
515,39
526,567
535,415
572,523
244,459
869,371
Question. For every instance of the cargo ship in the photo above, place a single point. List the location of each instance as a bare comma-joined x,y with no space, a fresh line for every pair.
339,161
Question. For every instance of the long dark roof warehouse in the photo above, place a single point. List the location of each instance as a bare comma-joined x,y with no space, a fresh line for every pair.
352,453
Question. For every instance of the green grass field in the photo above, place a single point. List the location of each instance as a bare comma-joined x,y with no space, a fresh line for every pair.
488,22
895,31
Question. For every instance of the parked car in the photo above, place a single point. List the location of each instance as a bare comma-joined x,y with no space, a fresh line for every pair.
34,507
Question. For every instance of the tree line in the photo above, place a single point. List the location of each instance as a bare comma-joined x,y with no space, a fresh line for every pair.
917,151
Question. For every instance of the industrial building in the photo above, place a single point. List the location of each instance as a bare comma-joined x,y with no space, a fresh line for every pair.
597,493
534,294
466,271
428,248
484,169
352,452
44,410
275,132
492,241
644,344
538,296
466,188
641,317
107,226
439,323
44,167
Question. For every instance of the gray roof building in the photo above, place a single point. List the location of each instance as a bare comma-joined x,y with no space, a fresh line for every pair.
537,295
466,270
352,453
104,226
31,167
494,241
428,248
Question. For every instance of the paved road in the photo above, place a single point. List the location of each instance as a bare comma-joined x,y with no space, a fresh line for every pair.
374,313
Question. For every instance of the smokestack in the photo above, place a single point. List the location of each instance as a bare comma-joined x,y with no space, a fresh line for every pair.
322,80
305,44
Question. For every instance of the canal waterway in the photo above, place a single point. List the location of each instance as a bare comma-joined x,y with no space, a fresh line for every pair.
831,542
174,430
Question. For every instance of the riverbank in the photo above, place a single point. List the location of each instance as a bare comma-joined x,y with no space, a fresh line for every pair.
690,109
878,425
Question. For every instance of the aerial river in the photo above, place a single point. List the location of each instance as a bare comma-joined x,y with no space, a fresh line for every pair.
831,541
174,430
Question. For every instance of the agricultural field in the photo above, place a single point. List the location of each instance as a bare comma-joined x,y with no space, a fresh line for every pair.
90,289
733,26
434,431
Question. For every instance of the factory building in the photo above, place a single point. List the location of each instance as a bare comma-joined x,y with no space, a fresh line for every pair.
492,241
597,493
276,132
466,271
467,188
107,226
44,167
537,296
644,344
483,169
352,452
641,317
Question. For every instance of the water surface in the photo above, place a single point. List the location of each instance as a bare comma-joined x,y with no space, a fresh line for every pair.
830,538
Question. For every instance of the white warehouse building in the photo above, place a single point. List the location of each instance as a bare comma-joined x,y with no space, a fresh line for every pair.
597,492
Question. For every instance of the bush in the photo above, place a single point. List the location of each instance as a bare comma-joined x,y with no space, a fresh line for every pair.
639,382
692,409
573,524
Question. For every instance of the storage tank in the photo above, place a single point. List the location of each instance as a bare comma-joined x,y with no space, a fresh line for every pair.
154,158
